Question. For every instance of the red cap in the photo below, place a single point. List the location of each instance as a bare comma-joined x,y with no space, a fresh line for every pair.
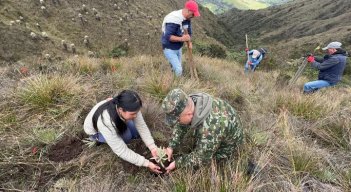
193,7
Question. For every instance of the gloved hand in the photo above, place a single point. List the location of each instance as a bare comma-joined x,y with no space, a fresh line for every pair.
310,59
246,49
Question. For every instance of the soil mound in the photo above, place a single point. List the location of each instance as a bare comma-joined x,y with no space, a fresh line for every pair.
66,149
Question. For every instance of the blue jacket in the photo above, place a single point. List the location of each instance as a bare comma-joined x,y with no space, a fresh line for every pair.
331,67
173,24
255,61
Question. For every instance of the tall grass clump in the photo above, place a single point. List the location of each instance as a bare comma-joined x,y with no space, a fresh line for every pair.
158,84
224,176
83,65
44,92
309,108
333,132
45,135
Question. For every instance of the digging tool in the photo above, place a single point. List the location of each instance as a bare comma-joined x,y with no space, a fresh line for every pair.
193,72
301,68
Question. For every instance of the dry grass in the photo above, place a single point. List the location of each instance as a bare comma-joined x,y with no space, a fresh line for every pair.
298,141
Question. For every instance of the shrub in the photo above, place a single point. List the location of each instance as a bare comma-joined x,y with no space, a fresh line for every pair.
210,50
119,51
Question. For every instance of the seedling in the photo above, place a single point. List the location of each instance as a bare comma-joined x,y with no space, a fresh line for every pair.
161,156
89,142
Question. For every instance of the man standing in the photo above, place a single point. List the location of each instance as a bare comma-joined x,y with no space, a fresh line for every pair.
254,58
215,123
173,36
331,67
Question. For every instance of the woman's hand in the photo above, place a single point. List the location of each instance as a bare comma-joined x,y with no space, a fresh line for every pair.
154,152
171,167
169,152
154,168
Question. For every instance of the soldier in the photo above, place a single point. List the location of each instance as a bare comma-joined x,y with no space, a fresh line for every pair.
216,124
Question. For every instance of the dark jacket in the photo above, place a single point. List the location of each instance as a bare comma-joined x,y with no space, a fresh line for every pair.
331,67
174,29
173,24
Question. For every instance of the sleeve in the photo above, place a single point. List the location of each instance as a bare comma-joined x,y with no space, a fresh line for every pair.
190,29
326,63
117,144
171,29
144,131
319,59
206,146
177,135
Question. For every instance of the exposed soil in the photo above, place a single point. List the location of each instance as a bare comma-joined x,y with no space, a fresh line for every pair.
66,149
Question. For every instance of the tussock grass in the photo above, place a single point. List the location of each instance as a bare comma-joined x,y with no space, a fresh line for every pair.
44,92
297,141
45,136
85,65
302,106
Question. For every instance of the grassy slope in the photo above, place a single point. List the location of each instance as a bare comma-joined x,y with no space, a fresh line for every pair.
247,4
299,141
140,27
222,6
295,27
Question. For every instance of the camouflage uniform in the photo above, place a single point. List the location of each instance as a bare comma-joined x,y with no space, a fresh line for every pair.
217,136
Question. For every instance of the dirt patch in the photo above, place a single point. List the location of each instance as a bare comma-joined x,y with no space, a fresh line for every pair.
67,148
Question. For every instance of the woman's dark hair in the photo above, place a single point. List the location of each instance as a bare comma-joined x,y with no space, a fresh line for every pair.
127,100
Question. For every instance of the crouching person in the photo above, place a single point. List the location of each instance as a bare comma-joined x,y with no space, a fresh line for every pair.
331,67
216,124
116,122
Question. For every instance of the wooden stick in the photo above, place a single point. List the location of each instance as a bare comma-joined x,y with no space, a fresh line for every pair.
248,56
193,71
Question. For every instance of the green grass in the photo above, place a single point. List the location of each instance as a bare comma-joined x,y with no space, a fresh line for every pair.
287,133
302,107
46,135
247,4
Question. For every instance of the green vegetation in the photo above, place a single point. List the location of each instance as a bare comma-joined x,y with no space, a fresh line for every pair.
289,135
210,50
44,92
119,51
247,4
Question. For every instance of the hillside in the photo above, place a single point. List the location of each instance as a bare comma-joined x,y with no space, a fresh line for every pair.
221,6
112,23
296,25
299,142
292,141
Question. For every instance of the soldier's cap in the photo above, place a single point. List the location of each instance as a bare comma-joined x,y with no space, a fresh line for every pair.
174,104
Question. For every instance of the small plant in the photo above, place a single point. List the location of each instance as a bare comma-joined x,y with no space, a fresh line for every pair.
89,142
161,157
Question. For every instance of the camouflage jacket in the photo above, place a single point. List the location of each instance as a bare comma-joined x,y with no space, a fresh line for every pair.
220,128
